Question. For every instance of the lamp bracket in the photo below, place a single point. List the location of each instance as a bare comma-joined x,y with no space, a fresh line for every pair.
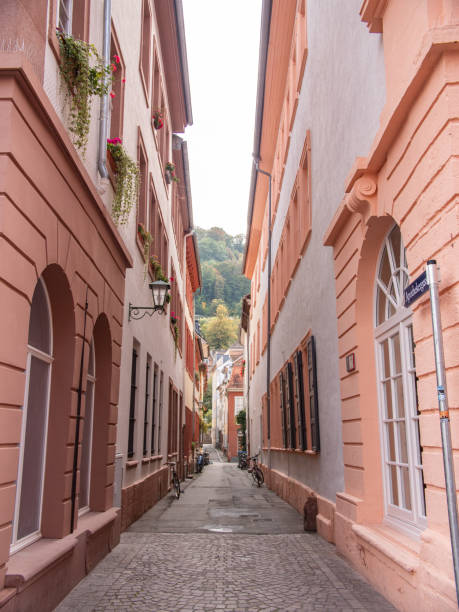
136,314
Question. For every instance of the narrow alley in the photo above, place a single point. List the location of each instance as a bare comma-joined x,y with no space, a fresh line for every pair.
225,545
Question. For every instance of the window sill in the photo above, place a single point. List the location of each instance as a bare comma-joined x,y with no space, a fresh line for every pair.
391,544
131,464
92,522
298,451
155,457
146,460
27,564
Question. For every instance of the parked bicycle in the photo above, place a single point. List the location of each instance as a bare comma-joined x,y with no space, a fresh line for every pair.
174,479
242,460
256,471
199,462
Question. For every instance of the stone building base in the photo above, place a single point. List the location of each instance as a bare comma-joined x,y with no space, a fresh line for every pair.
296,493
42,574
140,496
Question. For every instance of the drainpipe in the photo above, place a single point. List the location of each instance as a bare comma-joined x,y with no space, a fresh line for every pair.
190,233
78,418
268,353
101,162
247,372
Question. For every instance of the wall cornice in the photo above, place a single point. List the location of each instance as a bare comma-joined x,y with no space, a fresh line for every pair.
435,42
371,12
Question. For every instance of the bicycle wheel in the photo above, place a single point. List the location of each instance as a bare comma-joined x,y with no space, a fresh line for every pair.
176,482
254,474
259,478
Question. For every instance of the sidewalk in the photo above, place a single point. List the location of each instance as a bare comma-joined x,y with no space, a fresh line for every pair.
225,545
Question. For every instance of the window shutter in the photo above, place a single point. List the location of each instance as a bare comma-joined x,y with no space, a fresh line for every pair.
313,399
282,406
300,395
291,405
132,405
287,409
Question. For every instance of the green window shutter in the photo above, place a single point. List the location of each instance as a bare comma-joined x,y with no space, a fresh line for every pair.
282,407
313,399
291,405
300,395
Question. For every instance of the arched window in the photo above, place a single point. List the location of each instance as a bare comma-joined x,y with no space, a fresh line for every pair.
86,445
29,490
398,410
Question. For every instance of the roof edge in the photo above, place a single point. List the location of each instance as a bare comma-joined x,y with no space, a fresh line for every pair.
180,24
262,62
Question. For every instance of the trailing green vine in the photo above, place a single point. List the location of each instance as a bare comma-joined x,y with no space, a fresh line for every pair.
82,81
127,176
146,239
170,171
176,333
158,272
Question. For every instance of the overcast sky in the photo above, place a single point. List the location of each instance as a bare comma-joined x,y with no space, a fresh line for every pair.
222,45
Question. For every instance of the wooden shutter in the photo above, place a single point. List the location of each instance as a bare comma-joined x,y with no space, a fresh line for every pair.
132,404
282,407
300,395
313,399
287,408
291,405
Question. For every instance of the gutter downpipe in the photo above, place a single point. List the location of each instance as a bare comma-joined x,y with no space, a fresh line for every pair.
190,233
247,370
101,162
268,352
78,419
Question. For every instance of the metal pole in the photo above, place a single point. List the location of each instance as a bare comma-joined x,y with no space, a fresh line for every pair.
78,418
450,480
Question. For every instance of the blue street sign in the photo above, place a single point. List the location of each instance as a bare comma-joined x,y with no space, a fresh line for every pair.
416,289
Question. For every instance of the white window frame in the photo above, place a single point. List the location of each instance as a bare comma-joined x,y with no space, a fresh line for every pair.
411,521
68,8
91,379
16,544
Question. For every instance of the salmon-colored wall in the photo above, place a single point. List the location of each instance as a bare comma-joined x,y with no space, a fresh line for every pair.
233,427
53,225
410,178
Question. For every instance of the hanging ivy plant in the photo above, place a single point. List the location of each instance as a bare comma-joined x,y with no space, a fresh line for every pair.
82,81
175,327
158,273
127,177
170,173
146,239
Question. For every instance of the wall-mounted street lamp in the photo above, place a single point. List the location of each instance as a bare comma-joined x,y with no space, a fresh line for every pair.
159,291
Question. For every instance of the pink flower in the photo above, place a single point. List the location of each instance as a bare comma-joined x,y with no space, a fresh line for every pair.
172,314
117,58
112,94
113,67
123,80
172,279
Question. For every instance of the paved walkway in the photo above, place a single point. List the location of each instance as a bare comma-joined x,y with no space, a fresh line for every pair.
227,546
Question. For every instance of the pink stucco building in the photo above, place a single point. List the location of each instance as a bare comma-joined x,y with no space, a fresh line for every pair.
357,114
77,372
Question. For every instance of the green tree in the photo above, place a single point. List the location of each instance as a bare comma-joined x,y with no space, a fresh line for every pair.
221,266
241,419
220,331
207,399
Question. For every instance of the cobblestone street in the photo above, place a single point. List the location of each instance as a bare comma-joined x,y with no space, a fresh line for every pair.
224,545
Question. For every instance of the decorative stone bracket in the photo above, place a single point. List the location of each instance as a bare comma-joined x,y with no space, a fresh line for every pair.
362,197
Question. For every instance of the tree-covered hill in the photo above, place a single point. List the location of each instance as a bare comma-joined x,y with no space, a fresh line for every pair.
222,280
